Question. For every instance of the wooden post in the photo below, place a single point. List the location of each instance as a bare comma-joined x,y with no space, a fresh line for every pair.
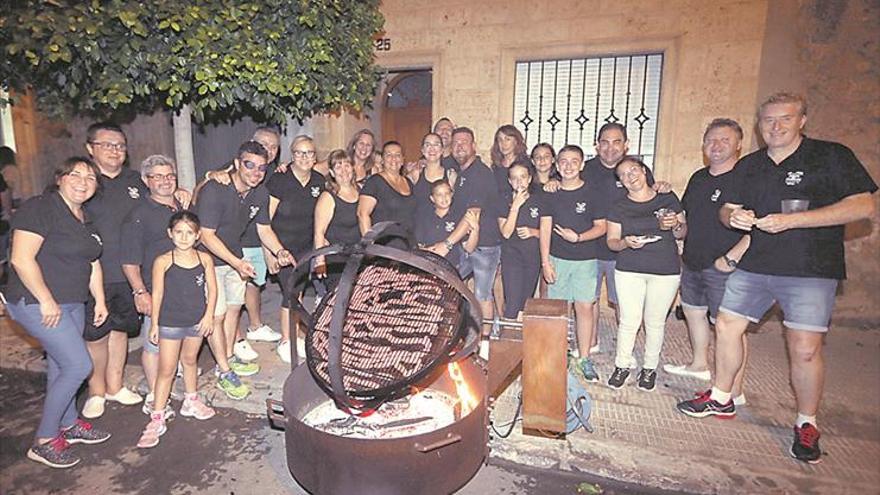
544,367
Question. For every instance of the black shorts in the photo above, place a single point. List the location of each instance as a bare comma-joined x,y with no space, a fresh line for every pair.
123,315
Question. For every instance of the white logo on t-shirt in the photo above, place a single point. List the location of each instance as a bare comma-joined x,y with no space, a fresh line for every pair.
97,238
533,211
254,210
618,184
450,226
200,279
794,178
316,191
580,207
133,192
461,181
716,195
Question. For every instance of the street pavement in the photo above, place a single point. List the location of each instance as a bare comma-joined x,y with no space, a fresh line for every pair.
640,444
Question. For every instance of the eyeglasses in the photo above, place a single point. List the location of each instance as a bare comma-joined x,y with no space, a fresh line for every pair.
304,154
162,177
251,165
633,172
109,146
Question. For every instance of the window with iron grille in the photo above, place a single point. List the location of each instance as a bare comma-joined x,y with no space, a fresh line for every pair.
567,101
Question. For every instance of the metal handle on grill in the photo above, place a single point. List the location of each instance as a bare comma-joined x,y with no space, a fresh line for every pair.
275,412
450,439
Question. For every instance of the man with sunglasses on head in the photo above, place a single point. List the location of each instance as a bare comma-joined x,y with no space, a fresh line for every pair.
225,211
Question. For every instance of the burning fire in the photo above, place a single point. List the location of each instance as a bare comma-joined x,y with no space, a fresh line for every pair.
468,400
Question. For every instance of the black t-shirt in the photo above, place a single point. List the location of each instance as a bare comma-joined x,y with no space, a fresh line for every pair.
477,189
391,206
145,236
431,229
576,209
422,190
450,163
529,215
107,209
223,209
69,247
707,238
605,182
294,220
658,258
819,171
343,227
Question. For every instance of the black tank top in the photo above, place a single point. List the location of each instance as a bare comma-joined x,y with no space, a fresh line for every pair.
343,228
184,300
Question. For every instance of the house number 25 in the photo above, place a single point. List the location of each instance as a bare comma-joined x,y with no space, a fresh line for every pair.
383,44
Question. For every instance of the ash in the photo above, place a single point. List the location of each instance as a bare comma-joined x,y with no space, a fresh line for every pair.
424,412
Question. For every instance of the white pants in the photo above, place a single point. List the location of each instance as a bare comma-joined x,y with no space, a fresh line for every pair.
638,295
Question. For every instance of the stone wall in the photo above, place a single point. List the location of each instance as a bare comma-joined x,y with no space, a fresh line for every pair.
829,50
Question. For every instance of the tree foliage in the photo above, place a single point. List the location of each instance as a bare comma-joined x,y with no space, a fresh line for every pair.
275,57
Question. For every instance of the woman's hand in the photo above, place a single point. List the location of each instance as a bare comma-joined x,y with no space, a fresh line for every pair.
320,267
633,242
154,334
221,176
206,325
183,197
101,314
51,312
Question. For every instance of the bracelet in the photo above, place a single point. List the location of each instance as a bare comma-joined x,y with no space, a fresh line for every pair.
138,292
276,253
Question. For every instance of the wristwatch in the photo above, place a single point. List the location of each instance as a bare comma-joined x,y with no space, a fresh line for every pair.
730,261
448,244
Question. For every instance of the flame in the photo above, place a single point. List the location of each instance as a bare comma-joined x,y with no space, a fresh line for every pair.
468,400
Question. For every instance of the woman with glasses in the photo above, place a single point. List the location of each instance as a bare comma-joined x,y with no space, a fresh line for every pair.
292,198
55,251
642,229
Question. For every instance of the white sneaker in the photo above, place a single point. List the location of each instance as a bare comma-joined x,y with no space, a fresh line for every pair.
180,370
283,351
94,407
243,350
125,397
263,334
681,370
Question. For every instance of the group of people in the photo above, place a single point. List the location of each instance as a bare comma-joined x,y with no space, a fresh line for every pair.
109,253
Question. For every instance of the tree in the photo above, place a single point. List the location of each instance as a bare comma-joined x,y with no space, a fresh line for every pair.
278,58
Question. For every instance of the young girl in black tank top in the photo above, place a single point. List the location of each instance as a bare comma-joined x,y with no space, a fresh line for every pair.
184,295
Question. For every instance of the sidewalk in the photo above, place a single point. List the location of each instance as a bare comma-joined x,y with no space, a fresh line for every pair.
639,437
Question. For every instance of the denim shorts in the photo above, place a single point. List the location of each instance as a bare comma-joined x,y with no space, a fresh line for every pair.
483,264
703,289
178,333
575,280
255,256
806,303
606,268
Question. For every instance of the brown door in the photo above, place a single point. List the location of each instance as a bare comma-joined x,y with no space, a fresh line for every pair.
406,116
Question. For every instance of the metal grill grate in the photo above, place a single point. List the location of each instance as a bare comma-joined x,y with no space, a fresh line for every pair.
400,321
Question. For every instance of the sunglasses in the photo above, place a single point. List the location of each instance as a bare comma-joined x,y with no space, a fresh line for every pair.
251,165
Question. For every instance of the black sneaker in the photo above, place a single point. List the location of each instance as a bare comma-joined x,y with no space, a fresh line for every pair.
806,444
647,379
84,432
54,453
703,406
618,377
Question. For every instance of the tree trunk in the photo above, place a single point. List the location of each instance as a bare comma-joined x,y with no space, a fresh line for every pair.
183,149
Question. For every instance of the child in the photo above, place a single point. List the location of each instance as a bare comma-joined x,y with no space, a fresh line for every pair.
439,232
184,294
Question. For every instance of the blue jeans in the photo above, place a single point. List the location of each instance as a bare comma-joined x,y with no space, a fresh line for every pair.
68,359
483,264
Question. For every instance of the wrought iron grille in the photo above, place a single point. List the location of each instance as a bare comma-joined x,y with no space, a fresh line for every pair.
567,101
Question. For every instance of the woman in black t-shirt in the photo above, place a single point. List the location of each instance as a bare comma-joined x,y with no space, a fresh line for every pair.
432,151
388,195
336,216
55,252
642,229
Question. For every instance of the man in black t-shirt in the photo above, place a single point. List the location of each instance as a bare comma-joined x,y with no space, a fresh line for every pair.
443,128
711,250
794,197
